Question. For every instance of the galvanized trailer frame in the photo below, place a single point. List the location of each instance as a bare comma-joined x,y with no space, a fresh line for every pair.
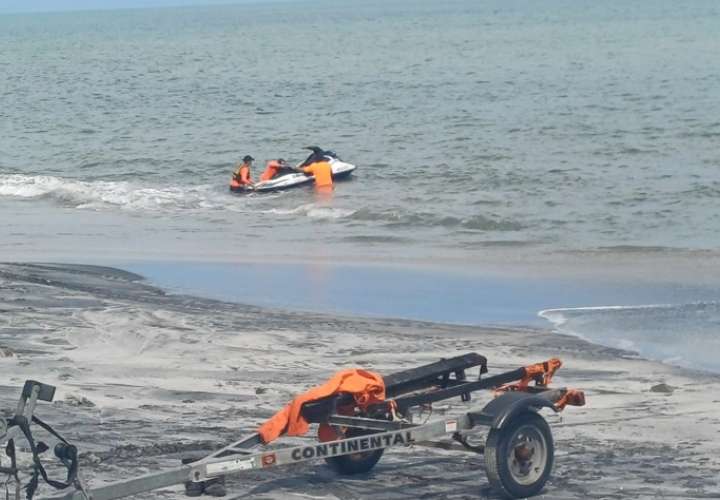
516,431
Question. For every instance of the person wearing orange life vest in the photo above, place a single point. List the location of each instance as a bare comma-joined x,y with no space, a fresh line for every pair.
322,172
317,165
272,168
241,177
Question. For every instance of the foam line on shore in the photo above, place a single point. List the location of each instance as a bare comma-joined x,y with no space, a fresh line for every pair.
683,334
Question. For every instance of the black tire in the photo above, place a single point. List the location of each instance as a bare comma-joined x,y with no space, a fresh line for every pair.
355,463
519,457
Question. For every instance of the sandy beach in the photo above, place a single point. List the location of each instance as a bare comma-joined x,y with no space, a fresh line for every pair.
529,180
145,377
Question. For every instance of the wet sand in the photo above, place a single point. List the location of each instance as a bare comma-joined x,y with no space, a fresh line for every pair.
144,377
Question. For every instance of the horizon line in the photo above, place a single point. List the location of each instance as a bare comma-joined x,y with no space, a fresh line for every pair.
161,5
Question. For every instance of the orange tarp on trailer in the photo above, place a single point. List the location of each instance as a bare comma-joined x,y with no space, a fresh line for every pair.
365,386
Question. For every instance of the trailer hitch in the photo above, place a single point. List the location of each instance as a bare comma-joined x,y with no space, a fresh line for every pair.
18,426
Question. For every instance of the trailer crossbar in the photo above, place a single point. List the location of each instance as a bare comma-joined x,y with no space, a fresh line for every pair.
224,466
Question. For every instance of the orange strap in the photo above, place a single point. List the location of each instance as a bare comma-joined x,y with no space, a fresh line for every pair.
572,397
546,370
245,174
543,371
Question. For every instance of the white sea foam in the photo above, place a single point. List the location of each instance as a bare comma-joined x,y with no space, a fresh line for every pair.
682,334
130,196
98,195
314,211
559,316
291,211
329,213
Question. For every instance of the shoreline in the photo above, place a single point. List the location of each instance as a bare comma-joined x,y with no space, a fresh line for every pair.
382,290
473,299
145,376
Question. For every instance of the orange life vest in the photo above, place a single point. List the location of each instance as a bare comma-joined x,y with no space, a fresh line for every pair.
242,175
270,170
322,172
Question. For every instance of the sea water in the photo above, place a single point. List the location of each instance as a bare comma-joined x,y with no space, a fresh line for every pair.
477,127
665,321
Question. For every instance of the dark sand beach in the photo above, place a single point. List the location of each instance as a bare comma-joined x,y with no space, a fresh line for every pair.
144,377
534,180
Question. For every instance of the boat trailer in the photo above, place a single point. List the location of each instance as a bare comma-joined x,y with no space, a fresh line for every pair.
518,448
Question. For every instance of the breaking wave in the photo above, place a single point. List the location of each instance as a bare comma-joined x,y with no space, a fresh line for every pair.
133,197
95,195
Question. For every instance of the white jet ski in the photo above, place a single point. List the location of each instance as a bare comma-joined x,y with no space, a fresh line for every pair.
289,178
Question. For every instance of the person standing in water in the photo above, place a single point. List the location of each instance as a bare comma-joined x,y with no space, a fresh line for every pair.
241,177
323,174
317,165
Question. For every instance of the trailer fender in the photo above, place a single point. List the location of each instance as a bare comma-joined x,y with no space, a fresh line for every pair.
501,410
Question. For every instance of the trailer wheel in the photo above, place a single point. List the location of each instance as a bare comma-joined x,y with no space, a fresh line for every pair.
519,456
355,463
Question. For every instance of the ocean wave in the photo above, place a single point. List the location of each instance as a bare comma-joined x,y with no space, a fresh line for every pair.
639,249
372,239
96,195
399,218
136,197
312,210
